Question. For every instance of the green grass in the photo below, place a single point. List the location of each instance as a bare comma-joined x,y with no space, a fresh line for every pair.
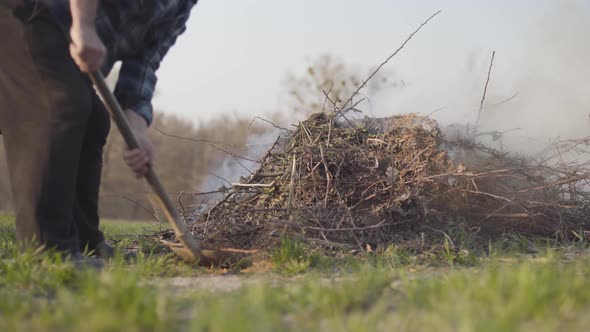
110,227
292,258
513,285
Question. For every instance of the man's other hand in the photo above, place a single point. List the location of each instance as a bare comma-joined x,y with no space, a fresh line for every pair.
139,160
87,50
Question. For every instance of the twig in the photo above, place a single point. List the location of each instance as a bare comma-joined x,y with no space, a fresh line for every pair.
495,134
134,202
489,195
150,197
253,185
329,243
267,121
353,107
485,89
209,192
329,133
387,60
355,229
212,144
126,236
262,210
179,201
436,110
377,140
347,229
505,100
235,156
268,175
220,178
198,140
242,165
218,205
306,131
328,175
555,183
269,152
443,233
292,186
505,215
337,109
327,94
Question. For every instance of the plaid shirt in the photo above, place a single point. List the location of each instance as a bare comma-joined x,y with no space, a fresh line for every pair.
138,33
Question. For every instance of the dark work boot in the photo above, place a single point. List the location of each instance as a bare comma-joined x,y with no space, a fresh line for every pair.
104,250
107,252
83,262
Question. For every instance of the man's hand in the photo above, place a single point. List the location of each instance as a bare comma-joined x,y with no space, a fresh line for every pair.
87,49
139,160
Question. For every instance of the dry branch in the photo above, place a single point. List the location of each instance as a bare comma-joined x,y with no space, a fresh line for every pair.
485,89
349,101
152,214
382,179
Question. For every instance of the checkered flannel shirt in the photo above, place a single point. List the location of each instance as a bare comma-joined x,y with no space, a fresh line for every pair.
138,33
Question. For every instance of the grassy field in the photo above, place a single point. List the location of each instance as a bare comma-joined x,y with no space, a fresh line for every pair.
502,288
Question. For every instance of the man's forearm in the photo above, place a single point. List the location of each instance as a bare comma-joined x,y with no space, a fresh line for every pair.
87,49
136,122
83,12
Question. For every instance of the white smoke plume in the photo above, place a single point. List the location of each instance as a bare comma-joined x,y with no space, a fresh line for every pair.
549,86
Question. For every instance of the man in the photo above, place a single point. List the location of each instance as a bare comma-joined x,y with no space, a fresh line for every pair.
55,126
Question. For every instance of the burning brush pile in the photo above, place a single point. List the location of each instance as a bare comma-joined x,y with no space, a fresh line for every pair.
335,183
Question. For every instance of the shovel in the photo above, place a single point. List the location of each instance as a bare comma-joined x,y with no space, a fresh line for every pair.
188,248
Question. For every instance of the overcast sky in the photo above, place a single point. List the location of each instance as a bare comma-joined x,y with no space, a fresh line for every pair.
235,53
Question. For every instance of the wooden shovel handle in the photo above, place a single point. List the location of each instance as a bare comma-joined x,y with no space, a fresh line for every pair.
115,109
172,215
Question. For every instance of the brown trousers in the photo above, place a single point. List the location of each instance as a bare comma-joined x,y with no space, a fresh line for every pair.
54,128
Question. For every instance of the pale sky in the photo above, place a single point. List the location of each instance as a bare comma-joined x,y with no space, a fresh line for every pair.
235,53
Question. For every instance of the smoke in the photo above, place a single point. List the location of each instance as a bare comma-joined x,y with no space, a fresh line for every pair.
552,79
549,83
541,95
242,164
